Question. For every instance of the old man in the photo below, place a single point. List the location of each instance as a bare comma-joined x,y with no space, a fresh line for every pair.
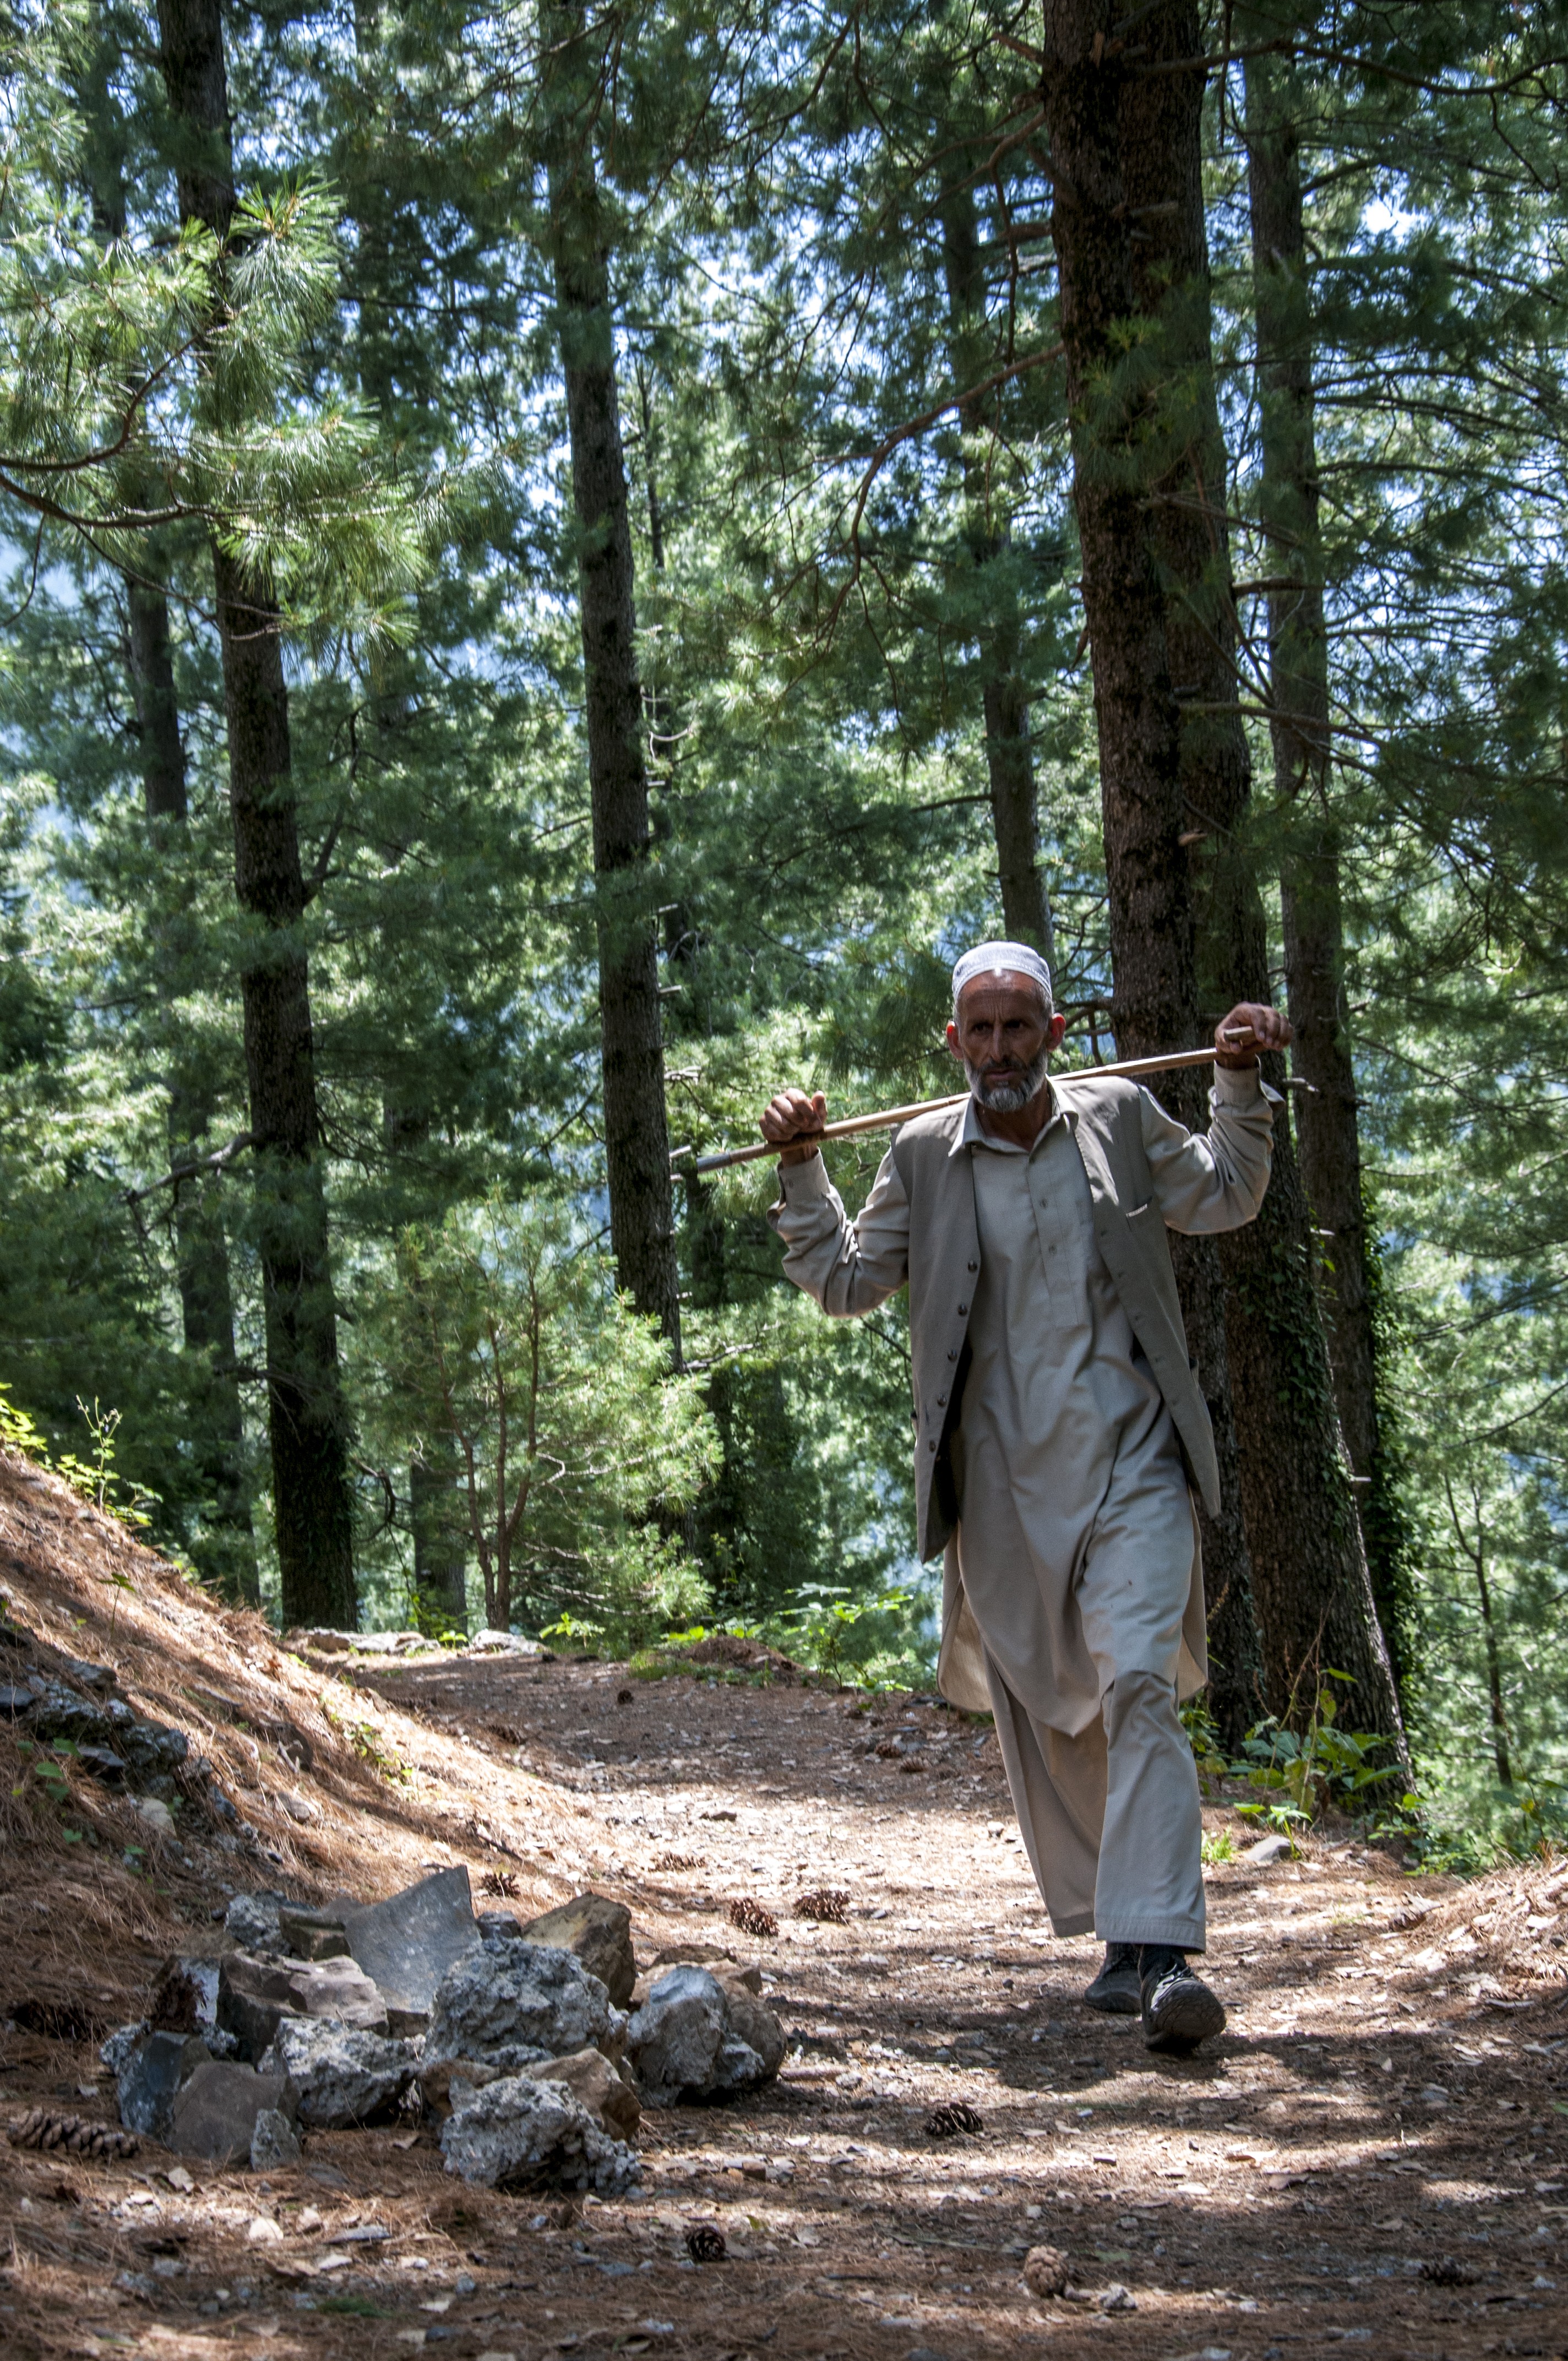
1059,1432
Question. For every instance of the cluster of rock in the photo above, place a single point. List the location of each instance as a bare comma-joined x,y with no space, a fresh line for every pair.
149,1762
536,2046
327,1641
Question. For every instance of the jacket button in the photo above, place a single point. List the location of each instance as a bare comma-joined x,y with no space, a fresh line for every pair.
953,1355
963,1310
974,1266
941,1401
930,1446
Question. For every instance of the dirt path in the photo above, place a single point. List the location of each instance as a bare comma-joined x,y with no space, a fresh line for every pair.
1369,2157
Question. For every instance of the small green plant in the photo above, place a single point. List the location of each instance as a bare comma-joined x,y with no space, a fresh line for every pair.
1203,1736
822,1633
367,1742
96,1479
570,1631
1301,1772
1219,1847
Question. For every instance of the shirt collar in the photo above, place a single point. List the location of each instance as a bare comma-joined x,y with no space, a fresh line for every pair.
971,1135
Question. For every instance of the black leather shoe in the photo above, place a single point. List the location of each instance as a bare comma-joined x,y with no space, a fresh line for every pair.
1116,1990
1179,2009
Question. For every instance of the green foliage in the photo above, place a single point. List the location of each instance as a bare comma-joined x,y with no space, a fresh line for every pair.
360,395
501,1331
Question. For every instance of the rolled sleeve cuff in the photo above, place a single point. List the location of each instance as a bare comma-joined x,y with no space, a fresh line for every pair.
1242,1088
800,1184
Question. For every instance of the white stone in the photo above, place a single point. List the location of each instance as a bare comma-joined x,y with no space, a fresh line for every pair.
510,2003
518,2133
344,2077
703,2035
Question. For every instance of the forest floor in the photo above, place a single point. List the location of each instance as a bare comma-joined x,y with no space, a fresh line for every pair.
1368,2156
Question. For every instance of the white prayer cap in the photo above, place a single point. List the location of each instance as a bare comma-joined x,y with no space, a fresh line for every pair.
990,958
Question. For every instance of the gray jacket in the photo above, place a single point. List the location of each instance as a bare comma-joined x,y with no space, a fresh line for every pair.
1146,1174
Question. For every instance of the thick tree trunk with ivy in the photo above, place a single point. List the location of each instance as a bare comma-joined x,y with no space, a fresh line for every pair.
1152,929
1010,763
1310,897
637,1148
307,1427
1310,1580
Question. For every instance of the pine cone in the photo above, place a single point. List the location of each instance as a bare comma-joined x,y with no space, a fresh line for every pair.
705,2244
1045,2271
1443,2271
829,1903
499,1881
958,2117
752,1918
679,1860
623,1696
41,2128
889,1749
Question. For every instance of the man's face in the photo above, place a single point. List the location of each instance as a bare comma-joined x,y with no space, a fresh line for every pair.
1003,1038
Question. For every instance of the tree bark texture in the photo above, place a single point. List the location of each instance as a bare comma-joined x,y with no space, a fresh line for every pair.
307,1428
227,1551
1010,763
1310,1583
637,1148
1152,931
1121,143
1327,1122
202,1258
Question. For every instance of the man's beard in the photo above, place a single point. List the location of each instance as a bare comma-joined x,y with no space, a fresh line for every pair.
1013,1096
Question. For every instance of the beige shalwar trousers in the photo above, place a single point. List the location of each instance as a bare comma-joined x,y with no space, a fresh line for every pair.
1111,1819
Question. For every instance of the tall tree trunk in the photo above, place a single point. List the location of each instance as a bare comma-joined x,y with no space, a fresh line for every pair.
226,1554
637,1153
1152,932
206,1299
1476,1553
1010,763
1308,1574
307,1427
1309,878
1310,1583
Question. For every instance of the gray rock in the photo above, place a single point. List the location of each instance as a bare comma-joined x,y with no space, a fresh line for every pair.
508,1643
1268,1850
407,1943
254,1994
520,2134
312,1934
185,2000
510,2003
695,2035
274,2143
216,2111
598,1933
119,2044
150,2078
253,1919
144,1750
344,2077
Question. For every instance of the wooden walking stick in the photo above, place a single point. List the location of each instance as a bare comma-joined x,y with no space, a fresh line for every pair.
1133,1068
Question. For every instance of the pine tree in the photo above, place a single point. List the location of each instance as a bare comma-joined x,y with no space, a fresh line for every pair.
636,1144
312,1507
206,1299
